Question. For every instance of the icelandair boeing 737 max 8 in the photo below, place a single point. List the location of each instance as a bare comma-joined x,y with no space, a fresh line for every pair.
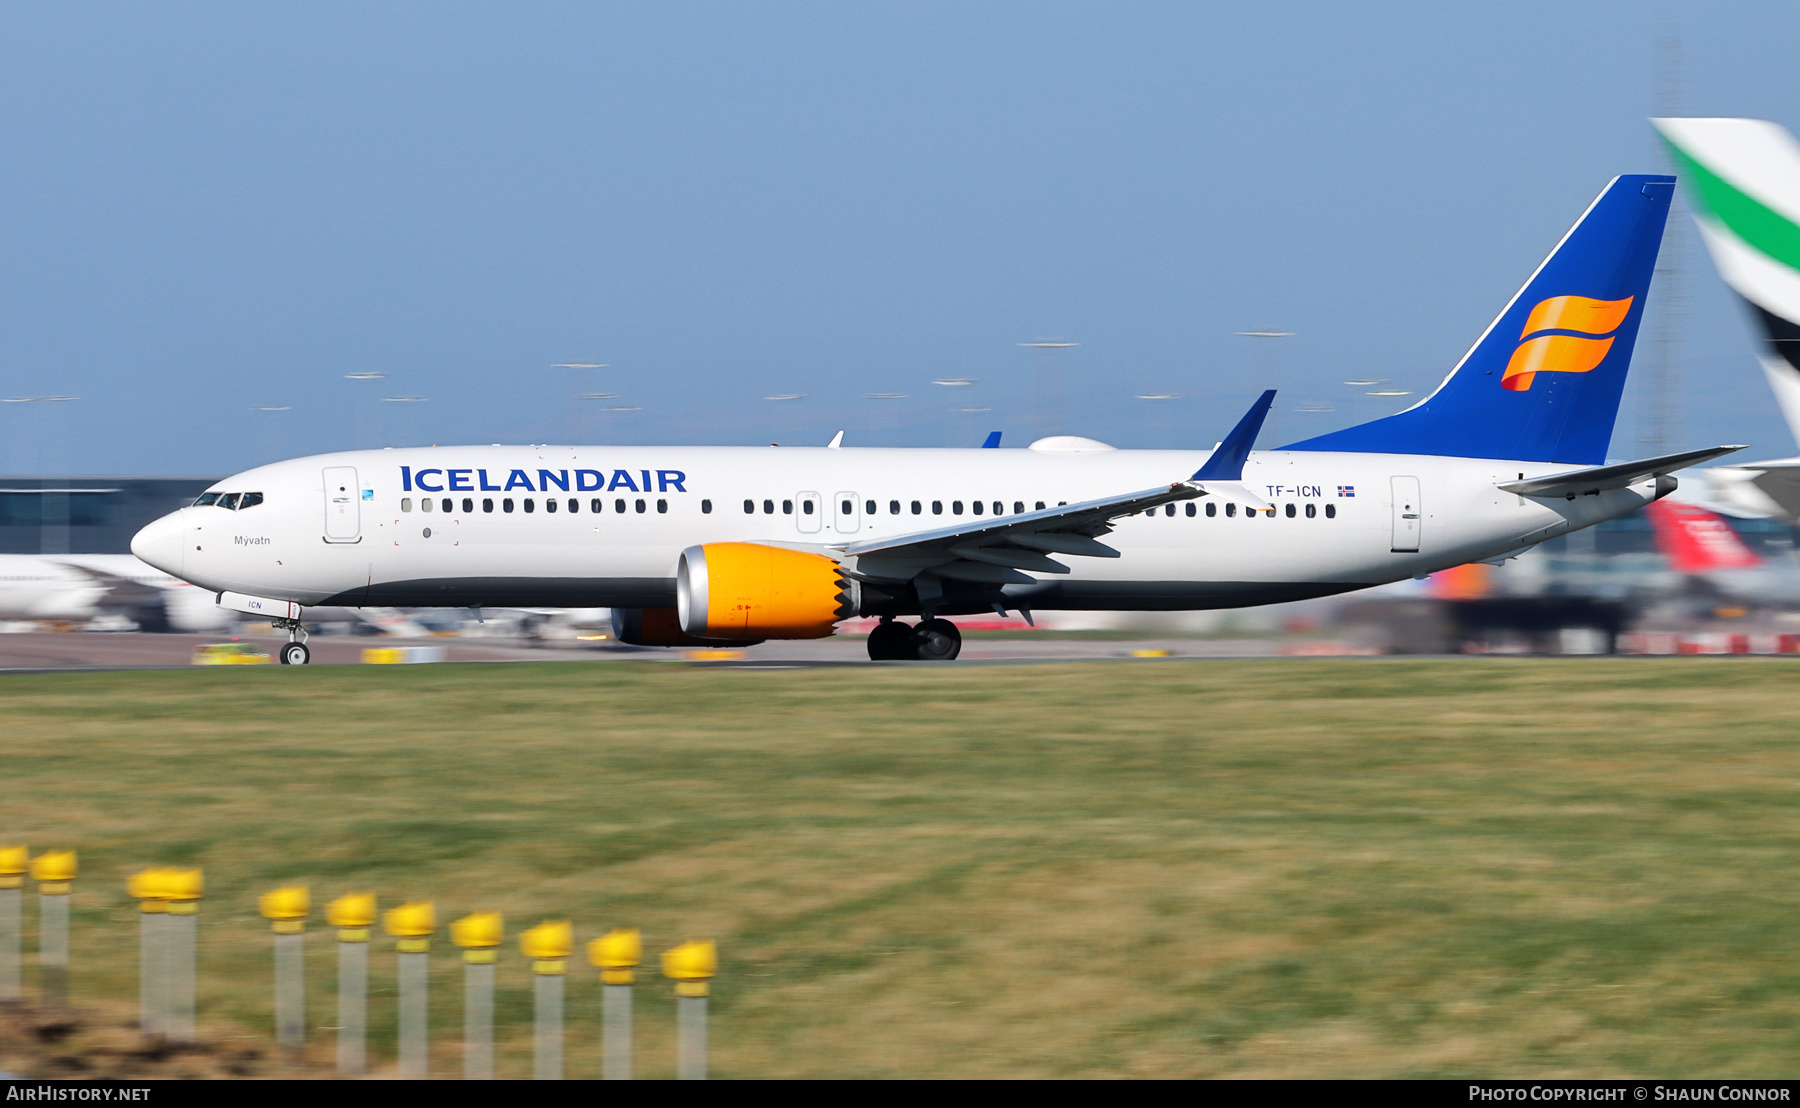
695,545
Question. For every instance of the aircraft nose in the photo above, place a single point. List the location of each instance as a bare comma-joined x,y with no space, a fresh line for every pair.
161,543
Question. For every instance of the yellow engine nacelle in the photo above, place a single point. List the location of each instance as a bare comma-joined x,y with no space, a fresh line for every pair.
659,627
742,590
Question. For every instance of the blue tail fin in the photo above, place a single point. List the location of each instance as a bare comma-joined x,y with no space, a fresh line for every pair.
1542,383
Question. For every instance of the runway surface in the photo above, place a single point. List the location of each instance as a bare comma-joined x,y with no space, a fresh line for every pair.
39,651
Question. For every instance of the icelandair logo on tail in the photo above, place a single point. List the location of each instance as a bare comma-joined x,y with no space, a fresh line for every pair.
1543,350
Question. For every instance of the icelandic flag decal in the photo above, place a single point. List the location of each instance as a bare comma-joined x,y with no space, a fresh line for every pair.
1347,490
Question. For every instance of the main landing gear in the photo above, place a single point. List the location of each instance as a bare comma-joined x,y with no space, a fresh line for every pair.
933,640
293,652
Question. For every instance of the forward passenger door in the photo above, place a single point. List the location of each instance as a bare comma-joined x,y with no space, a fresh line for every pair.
343,512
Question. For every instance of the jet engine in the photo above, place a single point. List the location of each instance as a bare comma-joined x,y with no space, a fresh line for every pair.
741,590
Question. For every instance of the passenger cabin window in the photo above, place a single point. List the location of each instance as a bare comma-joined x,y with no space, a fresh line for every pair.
207,500
1168,509
406,503
448,505
1312,510
749,507
869,507
846,507
937,507
1212,509
574,505
506,504
1290,511
549,504
768,507
619,506
787,507
662,507
894,508
975,507
640,507
596,505
915,507
468,505
1230,509
1040,506
487,503
956,507
424,503
250,500
1018,507
530,504
999,508
706,507
1331,511
1190,509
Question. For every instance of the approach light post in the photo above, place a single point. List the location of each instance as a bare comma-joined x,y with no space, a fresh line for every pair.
548,946
692,966
146,887
480,936
183,888
53,499
361,409
13,864
411,926
286,910
617,955
1049,383
54,871
578,413
1269,368
353,916
1162,408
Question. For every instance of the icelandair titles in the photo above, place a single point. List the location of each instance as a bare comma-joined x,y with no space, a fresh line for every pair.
584,480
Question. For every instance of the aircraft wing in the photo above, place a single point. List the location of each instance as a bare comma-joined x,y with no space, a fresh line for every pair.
996,550
1593,479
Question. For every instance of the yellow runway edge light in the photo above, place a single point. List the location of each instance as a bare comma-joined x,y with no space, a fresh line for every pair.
480,936
412,924
53,870
286,908
548,946
14,860
617,954
691,965
352,915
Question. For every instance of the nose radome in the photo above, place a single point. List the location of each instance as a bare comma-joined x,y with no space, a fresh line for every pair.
161,543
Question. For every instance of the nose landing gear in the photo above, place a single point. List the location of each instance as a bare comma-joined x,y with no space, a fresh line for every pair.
933,640
294,652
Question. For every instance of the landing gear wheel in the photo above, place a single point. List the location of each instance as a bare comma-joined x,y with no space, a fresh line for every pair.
937,640
295,654
891,642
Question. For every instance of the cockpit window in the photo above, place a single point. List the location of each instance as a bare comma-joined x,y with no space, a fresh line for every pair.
249,500
229,500
206,499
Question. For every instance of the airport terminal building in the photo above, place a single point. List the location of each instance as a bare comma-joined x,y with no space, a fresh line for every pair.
85,514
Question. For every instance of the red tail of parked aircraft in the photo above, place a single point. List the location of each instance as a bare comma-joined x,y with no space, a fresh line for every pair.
1696,540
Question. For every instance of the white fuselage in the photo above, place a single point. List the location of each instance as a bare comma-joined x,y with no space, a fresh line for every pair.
351,528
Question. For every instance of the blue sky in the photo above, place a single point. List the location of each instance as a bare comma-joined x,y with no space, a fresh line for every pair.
205,209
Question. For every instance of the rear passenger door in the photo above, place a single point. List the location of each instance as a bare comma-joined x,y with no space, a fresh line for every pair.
809,512
847,514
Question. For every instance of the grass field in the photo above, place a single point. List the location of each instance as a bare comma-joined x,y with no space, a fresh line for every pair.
1298,868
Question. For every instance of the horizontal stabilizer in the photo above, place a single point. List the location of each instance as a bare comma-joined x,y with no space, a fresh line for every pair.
1581,482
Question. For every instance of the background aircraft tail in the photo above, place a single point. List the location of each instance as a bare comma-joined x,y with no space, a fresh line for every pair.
1696,540
1744,177
1543,381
